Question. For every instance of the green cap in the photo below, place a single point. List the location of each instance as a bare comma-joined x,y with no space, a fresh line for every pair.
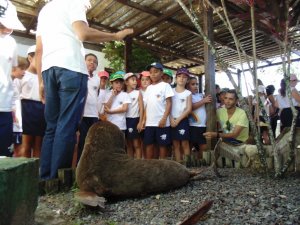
117,75
168,72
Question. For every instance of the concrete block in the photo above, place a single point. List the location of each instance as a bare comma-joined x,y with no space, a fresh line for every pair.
18,190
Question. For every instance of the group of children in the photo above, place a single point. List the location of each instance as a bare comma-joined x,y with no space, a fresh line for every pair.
154,116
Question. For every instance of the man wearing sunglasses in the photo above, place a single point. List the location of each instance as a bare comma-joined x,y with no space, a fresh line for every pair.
232,121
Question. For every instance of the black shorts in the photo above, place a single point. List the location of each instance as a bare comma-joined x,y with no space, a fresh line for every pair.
33,119
182,131
161,136
196,135
132,132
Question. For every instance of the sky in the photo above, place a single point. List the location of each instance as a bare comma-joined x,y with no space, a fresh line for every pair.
268,75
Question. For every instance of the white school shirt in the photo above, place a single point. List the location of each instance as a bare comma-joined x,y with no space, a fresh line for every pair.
28,86
61,46
179,102
17,123
155,103
133,108
284,102
198,116
118,119
101,99
8,59
91,103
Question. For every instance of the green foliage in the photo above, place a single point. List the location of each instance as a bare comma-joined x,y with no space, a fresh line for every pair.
141,57
114,53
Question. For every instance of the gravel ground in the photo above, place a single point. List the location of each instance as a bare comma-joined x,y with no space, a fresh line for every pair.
240,197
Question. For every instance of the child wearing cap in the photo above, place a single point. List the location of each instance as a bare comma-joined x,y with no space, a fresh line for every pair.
167,76
90,112
103,75
197,118
8,60
145,81
158,104
33,120
116,102
181,108
134,116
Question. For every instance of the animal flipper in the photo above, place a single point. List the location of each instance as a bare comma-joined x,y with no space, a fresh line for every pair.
90,199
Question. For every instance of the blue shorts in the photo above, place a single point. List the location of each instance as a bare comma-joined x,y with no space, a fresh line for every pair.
182,131
33,119
132,132
196,135
17,138
161,136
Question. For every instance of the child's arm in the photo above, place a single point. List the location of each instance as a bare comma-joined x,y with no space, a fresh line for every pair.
121,109
186,112
162,122
110,100
207,99
141,110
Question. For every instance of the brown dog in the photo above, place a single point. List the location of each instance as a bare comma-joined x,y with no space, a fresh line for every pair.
105,170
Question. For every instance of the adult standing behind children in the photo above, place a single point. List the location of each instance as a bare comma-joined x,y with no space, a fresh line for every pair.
33,120
90,112
8,60
62,27
158,104
283,103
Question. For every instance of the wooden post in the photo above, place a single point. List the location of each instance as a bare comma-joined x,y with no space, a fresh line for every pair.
127,54
209,63
200,83
239,72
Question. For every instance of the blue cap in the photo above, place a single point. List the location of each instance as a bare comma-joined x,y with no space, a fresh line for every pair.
155,65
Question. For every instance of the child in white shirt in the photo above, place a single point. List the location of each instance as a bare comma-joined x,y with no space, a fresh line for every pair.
116,103
158,103
134,117
197,118
181,108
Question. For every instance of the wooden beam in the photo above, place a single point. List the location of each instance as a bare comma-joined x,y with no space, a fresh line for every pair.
154,45
156,21
209,64
127,54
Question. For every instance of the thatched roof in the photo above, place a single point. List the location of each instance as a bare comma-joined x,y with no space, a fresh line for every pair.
163,27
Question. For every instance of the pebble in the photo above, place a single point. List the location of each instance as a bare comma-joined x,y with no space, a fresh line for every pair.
240,197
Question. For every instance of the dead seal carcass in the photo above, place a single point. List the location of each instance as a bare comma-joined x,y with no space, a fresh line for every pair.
106,170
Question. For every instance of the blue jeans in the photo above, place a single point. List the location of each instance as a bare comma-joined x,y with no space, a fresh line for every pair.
65,93
6,133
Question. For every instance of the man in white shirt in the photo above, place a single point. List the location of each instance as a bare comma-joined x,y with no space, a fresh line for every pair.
8,60
62,27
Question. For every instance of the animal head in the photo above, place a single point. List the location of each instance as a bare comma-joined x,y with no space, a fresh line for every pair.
106,137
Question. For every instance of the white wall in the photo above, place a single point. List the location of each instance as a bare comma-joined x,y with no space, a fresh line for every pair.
25,43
